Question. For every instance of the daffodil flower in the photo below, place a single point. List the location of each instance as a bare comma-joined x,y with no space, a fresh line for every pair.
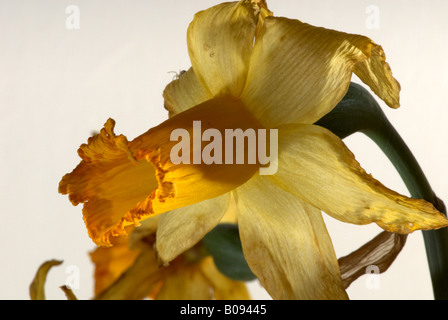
251,69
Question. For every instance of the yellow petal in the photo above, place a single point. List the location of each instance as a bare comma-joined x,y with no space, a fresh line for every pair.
286,243
180,229
223,287
231,215
376,73
299,72
121,182
185,93
37,287
315,165
220,41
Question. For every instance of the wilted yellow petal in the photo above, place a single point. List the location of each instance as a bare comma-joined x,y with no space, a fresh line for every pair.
182,228
376,73
110,182
316,165
220,41
299,72
286,243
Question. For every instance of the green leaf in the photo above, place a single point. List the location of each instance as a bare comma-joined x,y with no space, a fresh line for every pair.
224,245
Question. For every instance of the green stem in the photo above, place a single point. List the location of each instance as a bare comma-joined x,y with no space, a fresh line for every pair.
359,112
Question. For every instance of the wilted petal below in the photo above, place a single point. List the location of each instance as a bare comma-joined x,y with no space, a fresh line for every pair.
315,165
111,262
379,252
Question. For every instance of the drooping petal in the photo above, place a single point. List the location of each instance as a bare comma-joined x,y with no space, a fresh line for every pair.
144,233
380,252
299,72
182,228
37,287
286,243
315,165
138,281
121,182
223,287
220,41
376,73
185,93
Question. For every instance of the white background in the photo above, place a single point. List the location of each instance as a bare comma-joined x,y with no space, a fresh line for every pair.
58,85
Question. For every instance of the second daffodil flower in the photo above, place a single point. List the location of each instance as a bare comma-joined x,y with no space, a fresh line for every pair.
252,70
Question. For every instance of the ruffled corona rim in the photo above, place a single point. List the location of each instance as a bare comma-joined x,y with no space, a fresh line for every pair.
120,182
